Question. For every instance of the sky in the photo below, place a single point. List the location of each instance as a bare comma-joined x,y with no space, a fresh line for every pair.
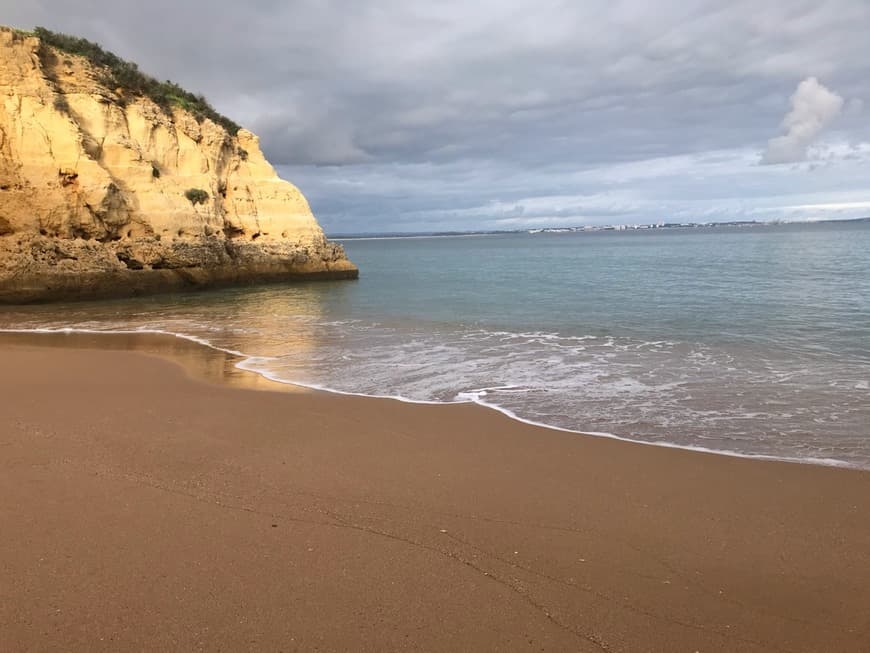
398,116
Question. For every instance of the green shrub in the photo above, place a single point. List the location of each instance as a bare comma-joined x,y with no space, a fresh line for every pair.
196,196
126,75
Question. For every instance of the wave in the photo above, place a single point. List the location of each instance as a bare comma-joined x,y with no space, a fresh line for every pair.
261,365
183,336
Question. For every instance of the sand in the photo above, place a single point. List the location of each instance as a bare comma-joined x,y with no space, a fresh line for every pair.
148,505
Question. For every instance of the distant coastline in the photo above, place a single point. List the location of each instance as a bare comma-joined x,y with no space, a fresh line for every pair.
587,228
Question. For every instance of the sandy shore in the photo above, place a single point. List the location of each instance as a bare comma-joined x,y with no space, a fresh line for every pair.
146,507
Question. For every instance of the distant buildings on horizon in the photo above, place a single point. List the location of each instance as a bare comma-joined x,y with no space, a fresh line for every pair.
586,228
657,225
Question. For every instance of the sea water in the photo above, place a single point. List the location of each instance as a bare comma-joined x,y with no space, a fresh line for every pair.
747,340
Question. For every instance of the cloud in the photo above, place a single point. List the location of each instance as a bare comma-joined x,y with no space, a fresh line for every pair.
813,107
395,115
714,186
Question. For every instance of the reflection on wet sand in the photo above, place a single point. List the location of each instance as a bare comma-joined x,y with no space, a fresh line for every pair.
271,322
201,362
260,322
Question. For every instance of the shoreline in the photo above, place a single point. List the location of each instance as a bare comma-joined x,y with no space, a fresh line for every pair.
269,382
177,506
47,287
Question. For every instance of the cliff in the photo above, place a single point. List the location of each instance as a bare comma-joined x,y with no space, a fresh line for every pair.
105,192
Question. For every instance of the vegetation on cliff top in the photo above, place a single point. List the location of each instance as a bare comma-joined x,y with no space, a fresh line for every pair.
118,73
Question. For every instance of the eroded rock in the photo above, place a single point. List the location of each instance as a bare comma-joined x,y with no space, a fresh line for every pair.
93,193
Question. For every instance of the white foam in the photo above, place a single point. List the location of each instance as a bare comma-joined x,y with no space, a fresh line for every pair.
828,462
476,398
259,364
182,336
247,366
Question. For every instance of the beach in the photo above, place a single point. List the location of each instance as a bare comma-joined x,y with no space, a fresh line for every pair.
156,498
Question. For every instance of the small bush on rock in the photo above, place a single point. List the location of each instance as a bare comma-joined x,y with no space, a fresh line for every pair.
196,196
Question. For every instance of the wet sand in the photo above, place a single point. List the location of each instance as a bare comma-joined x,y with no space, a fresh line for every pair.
153,499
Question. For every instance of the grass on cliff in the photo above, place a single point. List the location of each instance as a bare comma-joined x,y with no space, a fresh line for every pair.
127,76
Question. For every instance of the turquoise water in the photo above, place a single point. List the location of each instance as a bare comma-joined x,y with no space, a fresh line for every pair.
747,340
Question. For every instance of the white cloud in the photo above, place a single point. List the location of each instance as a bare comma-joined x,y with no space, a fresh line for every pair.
813,107
404,116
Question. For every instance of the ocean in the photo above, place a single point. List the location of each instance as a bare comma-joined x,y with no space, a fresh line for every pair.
752,341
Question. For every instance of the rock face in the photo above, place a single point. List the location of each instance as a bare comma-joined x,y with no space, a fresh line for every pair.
106,195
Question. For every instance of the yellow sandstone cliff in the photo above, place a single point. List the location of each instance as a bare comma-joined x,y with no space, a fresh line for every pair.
93,187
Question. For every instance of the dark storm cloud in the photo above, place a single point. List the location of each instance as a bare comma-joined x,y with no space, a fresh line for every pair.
397,115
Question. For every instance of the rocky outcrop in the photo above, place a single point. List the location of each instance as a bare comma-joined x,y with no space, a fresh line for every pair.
107,195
